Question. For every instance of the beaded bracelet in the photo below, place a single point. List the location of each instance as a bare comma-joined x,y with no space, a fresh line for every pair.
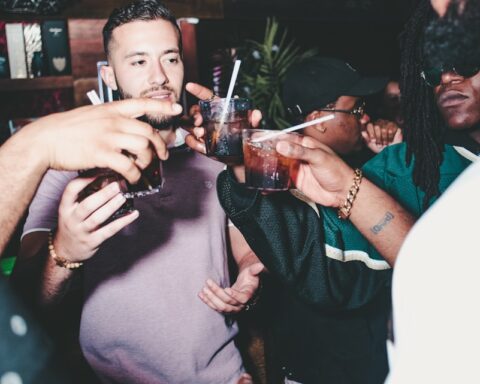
60,261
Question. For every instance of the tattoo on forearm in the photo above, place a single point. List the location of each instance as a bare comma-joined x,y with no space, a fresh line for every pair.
376,229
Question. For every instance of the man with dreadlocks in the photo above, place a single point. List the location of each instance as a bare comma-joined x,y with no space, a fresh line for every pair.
439,343
442,105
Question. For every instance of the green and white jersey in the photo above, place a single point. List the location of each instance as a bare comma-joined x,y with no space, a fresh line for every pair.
323,259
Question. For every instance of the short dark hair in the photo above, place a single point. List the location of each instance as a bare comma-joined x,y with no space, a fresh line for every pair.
140,10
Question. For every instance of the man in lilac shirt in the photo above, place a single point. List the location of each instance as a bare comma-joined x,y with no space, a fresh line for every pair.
142,321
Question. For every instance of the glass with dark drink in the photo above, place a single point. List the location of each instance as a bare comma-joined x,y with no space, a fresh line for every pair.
265,168
103,177
223,128
151,181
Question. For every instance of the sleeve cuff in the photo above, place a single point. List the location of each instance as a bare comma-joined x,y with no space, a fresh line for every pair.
235,198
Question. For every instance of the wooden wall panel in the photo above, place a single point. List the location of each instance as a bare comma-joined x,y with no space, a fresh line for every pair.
189,41
86,46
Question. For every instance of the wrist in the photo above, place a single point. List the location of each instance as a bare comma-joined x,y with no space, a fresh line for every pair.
238,172
55,253
345,176
345,208
247,261
30,147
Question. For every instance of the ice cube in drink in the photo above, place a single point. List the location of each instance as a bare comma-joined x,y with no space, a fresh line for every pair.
224,141
223,129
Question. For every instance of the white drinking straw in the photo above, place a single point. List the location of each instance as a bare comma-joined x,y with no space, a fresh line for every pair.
294,128
233,80
93,97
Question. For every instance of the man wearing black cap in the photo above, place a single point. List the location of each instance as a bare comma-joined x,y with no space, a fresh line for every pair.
318,86
312,345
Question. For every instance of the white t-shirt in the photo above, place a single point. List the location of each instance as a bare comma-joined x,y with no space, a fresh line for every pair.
436,291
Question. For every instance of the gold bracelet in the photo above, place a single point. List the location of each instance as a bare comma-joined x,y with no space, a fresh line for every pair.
60,261
345,209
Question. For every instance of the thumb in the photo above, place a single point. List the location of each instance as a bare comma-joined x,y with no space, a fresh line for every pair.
195,144
365,137
199,91
257,268
398,138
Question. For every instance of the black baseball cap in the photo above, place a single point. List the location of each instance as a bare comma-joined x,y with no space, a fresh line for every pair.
317,81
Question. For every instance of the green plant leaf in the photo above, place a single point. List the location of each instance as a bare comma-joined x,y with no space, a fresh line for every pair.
264,76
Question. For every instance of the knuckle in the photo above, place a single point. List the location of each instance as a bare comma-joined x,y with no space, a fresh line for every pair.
85,242
93,222
130,166
142,143
150,131
80,211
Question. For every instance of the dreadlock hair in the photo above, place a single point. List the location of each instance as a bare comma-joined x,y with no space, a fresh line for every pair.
424,128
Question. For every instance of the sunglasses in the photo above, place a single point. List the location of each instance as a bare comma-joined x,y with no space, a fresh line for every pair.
433,76
357,111
297,115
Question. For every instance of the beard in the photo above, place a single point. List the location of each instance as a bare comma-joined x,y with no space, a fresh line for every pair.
455,38
160,122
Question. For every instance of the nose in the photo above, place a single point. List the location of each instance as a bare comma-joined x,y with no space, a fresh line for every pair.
158,75
450,77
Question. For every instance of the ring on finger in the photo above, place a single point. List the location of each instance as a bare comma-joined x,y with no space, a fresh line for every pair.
211,98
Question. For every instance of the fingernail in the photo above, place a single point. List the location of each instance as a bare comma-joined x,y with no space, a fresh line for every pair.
115,187
135,214
120,198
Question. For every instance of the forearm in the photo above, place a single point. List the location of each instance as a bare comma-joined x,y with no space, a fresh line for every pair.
246,260
381,220
22,169
239,172
36,275
55,283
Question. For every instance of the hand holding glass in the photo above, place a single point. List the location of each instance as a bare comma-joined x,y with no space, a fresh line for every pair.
151,181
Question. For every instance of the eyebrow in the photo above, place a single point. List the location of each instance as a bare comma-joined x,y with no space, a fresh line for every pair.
140,53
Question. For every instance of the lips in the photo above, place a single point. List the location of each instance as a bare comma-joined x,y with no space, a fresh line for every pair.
159,95
451,99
